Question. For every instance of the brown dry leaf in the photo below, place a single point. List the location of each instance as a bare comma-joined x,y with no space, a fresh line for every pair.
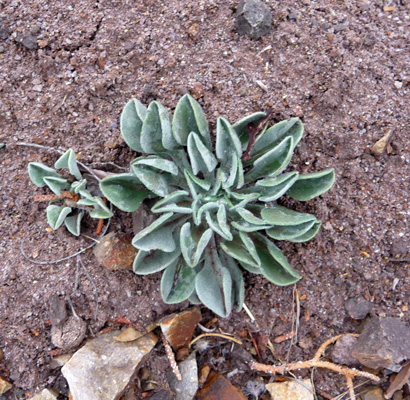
401,379
128,335
379,146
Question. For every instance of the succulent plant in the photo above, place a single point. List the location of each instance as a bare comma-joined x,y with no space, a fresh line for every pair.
75,194
216,212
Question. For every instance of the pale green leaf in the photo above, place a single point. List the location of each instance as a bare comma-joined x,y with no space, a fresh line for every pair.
56,184
68,160
73,223
193,243
178,202
100,210
38,172
155,181
178,282
158,163
56,215
227,141
311,185
149,262
282,216
124,191
189,117
289,232
241,127
273,162
132,118
202,159
271,189
310,234
78,186
214,225
242,250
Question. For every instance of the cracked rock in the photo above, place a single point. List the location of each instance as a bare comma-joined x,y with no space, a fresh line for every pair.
342,351
103,367
69,334
383,343
253,18
358,308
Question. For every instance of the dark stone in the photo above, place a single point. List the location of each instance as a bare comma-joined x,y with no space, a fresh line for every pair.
28,41
400,247
383,343
293,16
358,308
57,310
253,18
4,32
342,351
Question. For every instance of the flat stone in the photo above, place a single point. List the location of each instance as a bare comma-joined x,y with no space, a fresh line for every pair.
219,388
342,351
253,18
115,251
4,385
103,367
291,390
383,343
69,334
45,394
186,388
57,310
373,393
179,328
358,308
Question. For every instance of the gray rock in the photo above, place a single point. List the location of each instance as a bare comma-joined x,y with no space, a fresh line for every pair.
69,334
358,308
342,351
28,41
57,310
384,343
103,367
340,27
4,32
187,387
2,49
253,18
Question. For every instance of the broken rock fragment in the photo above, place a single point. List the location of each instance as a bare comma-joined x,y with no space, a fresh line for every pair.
384,343
342,351
358,308
186,388
4,385
253,18
45,394
103,367
219,388
179,328
291,390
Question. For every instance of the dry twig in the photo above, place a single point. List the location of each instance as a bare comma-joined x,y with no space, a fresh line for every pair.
348,373
171,357
214,334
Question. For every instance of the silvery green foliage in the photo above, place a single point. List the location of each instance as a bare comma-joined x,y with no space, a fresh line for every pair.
41,175
215,213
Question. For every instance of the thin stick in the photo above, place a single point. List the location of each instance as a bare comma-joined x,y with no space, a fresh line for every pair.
214,334
39,146
245,307
349,381
171,357
51,197
328,342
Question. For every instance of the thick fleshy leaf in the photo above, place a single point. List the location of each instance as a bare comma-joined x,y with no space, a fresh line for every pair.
227,141
250,217
178,282
68,160
189,117
155,181
282,216
78,186
149,262
271,189
274,265
311,185
56,184
238,286
193,243
213,285
194,299
273,162
209,206
38,172
289,232
274,135
101,210
178,202
157,236
244,226
73,223
125,191
202,159
56,215
242,250
158,163
310,234
132,118
157,123
214,225
241,127
196,185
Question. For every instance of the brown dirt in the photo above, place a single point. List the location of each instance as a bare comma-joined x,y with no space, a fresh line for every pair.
343,67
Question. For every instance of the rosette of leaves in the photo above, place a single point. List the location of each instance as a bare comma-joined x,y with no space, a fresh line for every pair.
216,213
71,211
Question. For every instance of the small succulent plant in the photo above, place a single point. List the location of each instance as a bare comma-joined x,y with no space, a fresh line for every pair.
216,208
75,196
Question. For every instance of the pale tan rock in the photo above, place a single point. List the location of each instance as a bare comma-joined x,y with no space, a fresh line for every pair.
291,390
379,146
45,394
103,367
4,385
